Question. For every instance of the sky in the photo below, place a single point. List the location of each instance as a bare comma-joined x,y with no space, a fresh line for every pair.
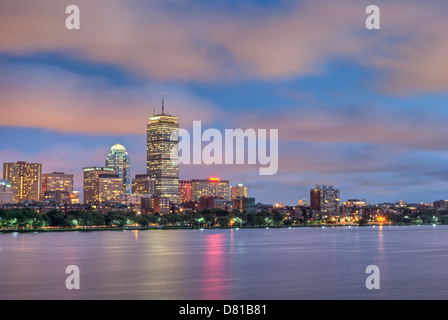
363,110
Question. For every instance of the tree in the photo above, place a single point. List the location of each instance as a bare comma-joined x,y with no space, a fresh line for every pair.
143,220
55,218
223,221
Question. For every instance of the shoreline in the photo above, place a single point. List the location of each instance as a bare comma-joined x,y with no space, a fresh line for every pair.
137,228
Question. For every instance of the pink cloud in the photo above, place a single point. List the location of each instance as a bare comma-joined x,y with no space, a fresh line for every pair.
221,45
51,98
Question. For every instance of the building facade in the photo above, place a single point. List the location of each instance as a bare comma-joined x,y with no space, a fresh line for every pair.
214,187
90,182
325,199
108,187
163,155
6,192
57,197
246,205
57,181
143,184
25,180
185,190
118,159
239,191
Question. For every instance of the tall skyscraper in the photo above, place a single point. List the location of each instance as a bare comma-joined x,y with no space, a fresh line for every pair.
25,179
239,191
118,159
325,199
162,154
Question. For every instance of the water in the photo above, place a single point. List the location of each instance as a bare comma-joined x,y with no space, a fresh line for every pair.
253,264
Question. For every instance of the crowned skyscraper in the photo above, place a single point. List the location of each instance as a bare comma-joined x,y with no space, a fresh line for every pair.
118,159
162,154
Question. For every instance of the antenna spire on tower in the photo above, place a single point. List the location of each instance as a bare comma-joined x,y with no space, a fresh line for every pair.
163,103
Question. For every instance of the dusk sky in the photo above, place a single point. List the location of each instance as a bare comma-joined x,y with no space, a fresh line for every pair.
363,110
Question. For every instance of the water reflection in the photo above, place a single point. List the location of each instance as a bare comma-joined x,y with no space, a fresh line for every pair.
215,268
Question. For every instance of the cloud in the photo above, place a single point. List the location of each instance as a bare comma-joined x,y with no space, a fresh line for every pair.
417,128
42,96
189,40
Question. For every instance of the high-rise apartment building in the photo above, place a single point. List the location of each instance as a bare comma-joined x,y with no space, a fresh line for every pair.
239,191
25,179
210,187
91,176
118,159
325,199
6,193
143,184
162,154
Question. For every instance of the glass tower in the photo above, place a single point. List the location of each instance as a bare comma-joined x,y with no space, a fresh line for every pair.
162,155
118,159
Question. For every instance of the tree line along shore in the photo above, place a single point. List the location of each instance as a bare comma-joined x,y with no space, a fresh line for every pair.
30,220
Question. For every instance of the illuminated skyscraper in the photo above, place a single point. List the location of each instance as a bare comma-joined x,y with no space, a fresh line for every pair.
25,179
118,159
162,155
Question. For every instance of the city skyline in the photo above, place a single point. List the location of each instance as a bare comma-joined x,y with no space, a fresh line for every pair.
363,113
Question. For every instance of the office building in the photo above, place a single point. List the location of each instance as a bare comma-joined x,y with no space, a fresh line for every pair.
91,176
143,184
239,191
118,159
325,199
57,181
108,187
162,154
185,190
25,180
57,197
6,192
210,187
246,205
